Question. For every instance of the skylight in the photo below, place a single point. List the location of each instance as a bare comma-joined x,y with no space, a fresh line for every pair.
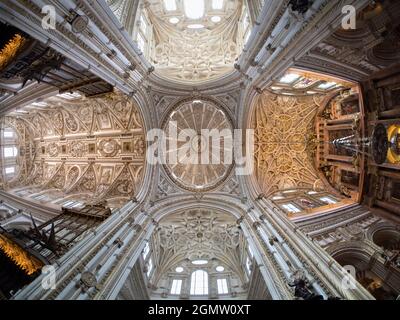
10,170
289,78
10,152
251,252
8,134
199,283
220,268
149,267
290,207
217,4
39,104
146,250
248,265
69,96
216,19
195,26
289,191
327,85
174,20
327,200
170,5
199,262
179,269
247,36
194,9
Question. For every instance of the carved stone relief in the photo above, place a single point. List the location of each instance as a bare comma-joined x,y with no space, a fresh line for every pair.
282,127
86,147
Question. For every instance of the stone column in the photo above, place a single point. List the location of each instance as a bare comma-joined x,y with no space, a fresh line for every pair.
292,250
98,266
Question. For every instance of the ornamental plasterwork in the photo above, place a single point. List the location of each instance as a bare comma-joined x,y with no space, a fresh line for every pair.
231,101
199,114
197,234
358,53
343,227
283,126
166,188
232,186
117,7
163,102
195,55
87,149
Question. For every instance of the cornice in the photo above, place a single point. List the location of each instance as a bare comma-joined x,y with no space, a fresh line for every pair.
27,95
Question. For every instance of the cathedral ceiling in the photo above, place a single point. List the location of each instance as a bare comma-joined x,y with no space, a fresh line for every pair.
198,174
357,53
198,234
194,47
284,127
90,149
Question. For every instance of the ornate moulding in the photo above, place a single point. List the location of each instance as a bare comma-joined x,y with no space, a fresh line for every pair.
283,125
199,114
84,149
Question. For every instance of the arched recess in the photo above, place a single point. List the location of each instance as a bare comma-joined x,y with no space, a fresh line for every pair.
288,141
224,205
98,146
196,239
300,202
385,235
382,282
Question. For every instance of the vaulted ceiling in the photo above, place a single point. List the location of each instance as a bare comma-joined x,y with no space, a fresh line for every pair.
284,126
193,40
198,234
84,149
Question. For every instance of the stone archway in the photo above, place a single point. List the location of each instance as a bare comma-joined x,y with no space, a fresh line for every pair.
370,271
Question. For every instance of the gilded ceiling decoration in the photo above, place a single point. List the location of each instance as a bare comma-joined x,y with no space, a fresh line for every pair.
20,257
284,127
393,155
11,49
198,115
195,49
86,149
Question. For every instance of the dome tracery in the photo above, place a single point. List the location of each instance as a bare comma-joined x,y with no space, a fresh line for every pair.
201,163
180,253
